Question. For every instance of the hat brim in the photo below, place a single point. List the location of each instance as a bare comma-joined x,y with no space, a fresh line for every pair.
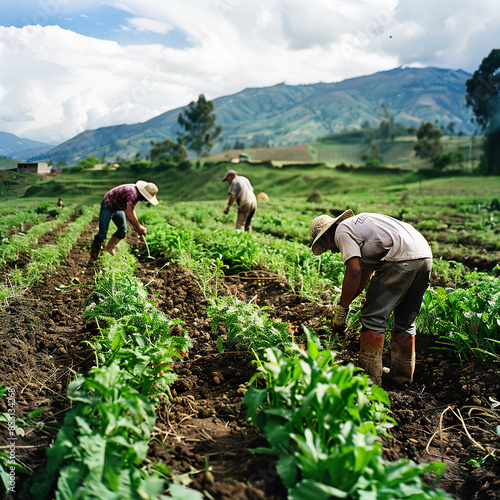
229,174
141,186
318,249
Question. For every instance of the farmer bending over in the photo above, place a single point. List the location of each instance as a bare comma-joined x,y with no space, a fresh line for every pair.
241,190
118,205
402,261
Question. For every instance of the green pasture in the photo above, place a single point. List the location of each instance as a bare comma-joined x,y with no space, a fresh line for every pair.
87,187
395,153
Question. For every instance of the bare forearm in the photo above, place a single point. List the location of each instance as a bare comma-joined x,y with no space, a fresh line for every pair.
353,284
229,203
355,280
365,278
132,218
350,287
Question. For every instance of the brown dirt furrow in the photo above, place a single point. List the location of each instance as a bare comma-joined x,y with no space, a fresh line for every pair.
40,348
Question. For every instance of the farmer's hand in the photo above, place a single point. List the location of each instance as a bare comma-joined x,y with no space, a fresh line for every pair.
339,318
226,210
142,230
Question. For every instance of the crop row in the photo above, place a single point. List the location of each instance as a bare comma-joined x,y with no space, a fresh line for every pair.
291,260
101,447
11,247
466,320
323,423
43,259
12,223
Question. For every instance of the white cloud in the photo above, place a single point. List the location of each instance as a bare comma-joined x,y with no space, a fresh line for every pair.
145,24
60,83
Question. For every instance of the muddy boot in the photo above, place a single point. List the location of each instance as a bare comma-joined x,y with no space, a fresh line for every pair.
371,346
111,246
95,251
402,357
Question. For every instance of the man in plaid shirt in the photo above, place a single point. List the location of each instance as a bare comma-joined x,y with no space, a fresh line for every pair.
118,205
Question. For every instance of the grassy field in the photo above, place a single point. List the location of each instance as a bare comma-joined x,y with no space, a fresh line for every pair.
295,181
396,153
342,148
201,184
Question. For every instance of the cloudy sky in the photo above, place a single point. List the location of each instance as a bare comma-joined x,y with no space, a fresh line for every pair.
74,65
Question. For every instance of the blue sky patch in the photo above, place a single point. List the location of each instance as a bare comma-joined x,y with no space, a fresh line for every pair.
102,22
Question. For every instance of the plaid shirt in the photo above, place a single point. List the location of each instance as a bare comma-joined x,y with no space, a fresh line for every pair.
119,197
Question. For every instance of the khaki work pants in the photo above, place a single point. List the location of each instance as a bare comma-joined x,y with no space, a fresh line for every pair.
245,214
399,287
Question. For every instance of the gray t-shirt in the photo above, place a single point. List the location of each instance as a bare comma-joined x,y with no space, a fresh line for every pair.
243,191
376,237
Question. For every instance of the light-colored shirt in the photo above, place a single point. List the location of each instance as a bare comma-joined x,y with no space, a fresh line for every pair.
243,191
376,237
119,197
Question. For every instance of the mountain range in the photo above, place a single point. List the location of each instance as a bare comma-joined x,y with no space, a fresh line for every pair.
20,149
291,114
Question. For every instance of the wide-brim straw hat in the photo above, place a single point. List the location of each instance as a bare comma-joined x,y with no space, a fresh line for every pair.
148,190
321,224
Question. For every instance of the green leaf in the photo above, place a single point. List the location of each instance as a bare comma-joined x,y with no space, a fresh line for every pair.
287,470
161,467
180,492
151,486
34,414
220,347
117,340
253,399
308,489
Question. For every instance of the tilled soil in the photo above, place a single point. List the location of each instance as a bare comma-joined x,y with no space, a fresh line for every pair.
41,334
444,416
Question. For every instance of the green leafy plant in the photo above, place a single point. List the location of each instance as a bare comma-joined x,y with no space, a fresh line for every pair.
103,440
248,325
323,422
466,320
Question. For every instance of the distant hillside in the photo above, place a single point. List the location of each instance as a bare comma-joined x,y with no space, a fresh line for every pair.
297,114
21,149
343,148
7,163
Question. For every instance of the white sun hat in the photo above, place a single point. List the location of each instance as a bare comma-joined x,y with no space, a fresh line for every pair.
148,190
321,224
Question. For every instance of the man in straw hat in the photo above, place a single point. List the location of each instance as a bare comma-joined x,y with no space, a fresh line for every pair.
118,205
400,260
241,190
